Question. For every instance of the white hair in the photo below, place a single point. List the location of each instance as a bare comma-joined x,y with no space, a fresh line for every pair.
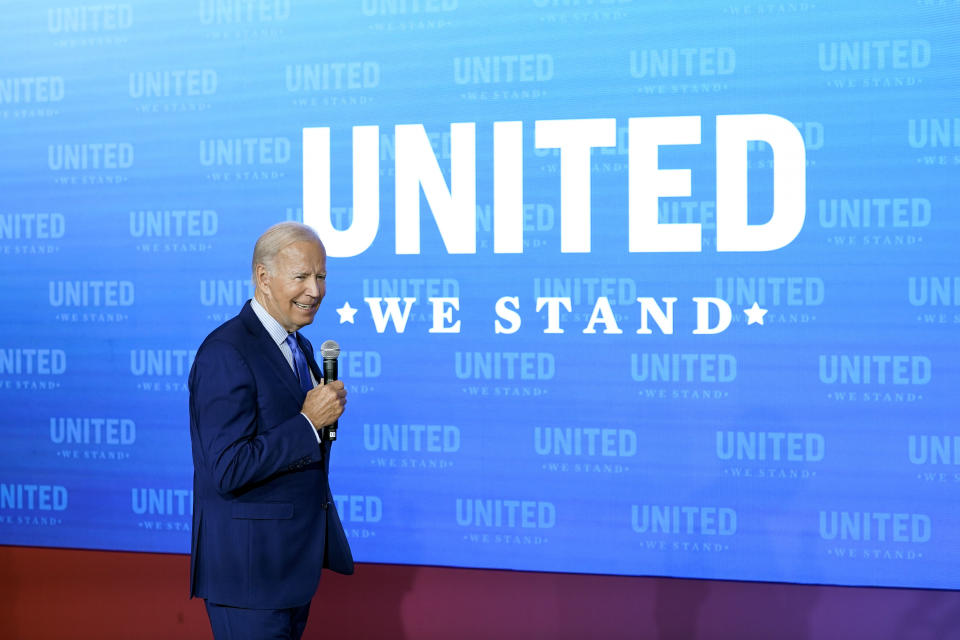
275,239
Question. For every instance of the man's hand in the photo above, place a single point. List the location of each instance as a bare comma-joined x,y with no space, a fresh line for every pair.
324,404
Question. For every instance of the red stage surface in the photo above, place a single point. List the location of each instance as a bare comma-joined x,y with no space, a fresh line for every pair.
65,594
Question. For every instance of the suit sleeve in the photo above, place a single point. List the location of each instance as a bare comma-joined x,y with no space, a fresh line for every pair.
235,450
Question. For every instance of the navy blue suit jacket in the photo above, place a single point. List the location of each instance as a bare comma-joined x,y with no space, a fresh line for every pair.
264,521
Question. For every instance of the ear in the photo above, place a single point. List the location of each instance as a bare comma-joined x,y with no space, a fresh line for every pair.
263,276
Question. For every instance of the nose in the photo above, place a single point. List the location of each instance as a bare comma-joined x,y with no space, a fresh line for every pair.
313,288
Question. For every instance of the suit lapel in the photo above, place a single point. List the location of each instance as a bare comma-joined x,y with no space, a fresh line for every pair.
270,352
307,349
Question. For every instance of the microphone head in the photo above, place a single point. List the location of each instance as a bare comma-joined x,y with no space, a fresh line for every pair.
330,349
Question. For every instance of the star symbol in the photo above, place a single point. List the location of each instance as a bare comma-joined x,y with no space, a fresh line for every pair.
346,313
755,314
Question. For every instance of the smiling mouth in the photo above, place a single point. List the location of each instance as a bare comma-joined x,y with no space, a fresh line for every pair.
305,307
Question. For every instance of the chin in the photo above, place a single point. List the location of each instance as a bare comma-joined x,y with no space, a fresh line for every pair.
306,317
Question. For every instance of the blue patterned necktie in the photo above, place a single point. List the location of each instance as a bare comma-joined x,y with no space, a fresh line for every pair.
300,363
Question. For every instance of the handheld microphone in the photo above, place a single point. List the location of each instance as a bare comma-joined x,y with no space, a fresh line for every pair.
330,351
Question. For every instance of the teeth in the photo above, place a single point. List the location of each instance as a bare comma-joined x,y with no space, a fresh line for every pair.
303,306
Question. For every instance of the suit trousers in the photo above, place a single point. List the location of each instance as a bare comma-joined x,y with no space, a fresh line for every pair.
234,623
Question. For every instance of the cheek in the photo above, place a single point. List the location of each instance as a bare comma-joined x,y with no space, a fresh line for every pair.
294,292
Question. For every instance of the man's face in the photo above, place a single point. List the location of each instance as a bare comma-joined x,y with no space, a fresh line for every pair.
292,289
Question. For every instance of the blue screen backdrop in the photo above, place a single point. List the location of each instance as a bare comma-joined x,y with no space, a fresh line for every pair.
542,379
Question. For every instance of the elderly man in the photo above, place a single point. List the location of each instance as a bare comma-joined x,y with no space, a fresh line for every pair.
264,521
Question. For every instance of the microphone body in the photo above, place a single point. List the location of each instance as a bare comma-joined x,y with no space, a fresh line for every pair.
330,352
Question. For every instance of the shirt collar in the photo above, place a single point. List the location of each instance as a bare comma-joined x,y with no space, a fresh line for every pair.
274,328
